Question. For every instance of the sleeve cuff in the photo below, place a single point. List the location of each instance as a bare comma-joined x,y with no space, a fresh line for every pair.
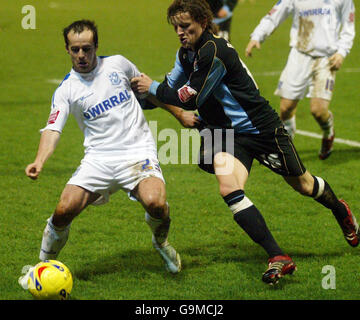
256,37
342,52
153,87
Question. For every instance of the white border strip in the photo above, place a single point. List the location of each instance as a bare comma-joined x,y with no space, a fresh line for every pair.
319,136
276,73
263,74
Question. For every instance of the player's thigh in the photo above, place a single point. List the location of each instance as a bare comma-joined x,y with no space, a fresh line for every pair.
287,106
278,153
230,173
74,199
319,107
93,176
323,80
151,193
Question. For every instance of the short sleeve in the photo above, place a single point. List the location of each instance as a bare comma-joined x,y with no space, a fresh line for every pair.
128,67
60,109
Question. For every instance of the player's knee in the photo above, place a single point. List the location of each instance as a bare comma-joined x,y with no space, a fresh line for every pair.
305,188
64,213
155,205
225,189
284,109
287,108
316,113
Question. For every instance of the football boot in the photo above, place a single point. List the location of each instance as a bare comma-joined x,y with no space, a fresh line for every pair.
278,267
169,255
350,227
326,147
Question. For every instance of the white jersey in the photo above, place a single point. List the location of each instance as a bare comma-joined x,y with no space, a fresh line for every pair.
320,27
106,109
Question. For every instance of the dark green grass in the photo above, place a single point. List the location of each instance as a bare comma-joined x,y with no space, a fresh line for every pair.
109,250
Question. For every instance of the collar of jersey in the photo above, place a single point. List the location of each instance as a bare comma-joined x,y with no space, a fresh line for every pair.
89,75
206,35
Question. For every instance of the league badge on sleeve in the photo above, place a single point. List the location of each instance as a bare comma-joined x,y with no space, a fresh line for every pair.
53,116
186,93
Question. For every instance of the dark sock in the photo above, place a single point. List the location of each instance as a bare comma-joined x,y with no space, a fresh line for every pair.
329,200
253,223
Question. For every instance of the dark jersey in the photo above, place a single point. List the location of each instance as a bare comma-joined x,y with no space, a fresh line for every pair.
231,4
216,82
215,5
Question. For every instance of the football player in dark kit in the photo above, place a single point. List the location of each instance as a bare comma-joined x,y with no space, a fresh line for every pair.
209,76
222,11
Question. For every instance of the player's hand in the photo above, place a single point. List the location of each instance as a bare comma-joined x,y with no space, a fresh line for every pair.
33,170
222,13
336,61
188,119
252,44
141,84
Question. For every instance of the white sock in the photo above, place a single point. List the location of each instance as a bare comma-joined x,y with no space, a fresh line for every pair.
328,126
159,229
53,240
290,126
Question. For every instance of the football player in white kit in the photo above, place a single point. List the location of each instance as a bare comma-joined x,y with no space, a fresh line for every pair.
120,152
321,36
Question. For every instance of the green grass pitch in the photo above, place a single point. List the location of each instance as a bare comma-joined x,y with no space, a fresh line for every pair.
109,250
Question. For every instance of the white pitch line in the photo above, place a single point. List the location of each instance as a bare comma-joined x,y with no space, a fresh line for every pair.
54,81
276,73
319,136
267,73
263,74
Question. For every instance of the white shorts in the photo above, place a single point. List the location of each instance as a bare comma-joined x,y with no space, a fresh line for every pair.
106,176
303,72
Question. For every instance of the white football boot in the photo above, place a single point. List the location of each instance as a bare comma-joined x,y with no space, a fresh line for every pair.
169,255
24,280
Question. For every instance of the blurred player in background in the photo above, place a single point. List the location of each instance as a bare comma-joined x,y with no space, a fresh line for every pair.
321,36
223,11
120,152
209,76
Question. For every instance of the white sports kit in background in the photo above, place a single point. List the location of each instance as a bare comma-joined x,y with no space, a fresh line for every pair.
319,29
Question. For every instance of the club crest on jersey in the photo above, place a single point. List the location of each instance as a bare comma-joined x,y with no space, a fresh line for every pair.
114,78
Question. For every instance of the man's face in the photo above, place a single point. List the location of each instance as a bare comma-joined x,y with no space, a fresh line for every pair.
82,50
188,30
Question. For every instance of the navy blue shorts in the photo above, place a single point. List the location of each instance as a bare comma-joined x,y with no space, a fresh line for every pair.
275,151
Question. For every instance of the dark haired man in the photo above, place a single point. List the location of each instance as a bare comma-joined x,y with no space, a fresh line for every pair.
209,76
80,26
120,152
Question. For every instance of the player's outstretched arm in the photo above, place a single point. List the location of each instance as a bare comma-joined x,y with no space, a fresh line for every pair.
47,146
141,84
188,119
251,45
